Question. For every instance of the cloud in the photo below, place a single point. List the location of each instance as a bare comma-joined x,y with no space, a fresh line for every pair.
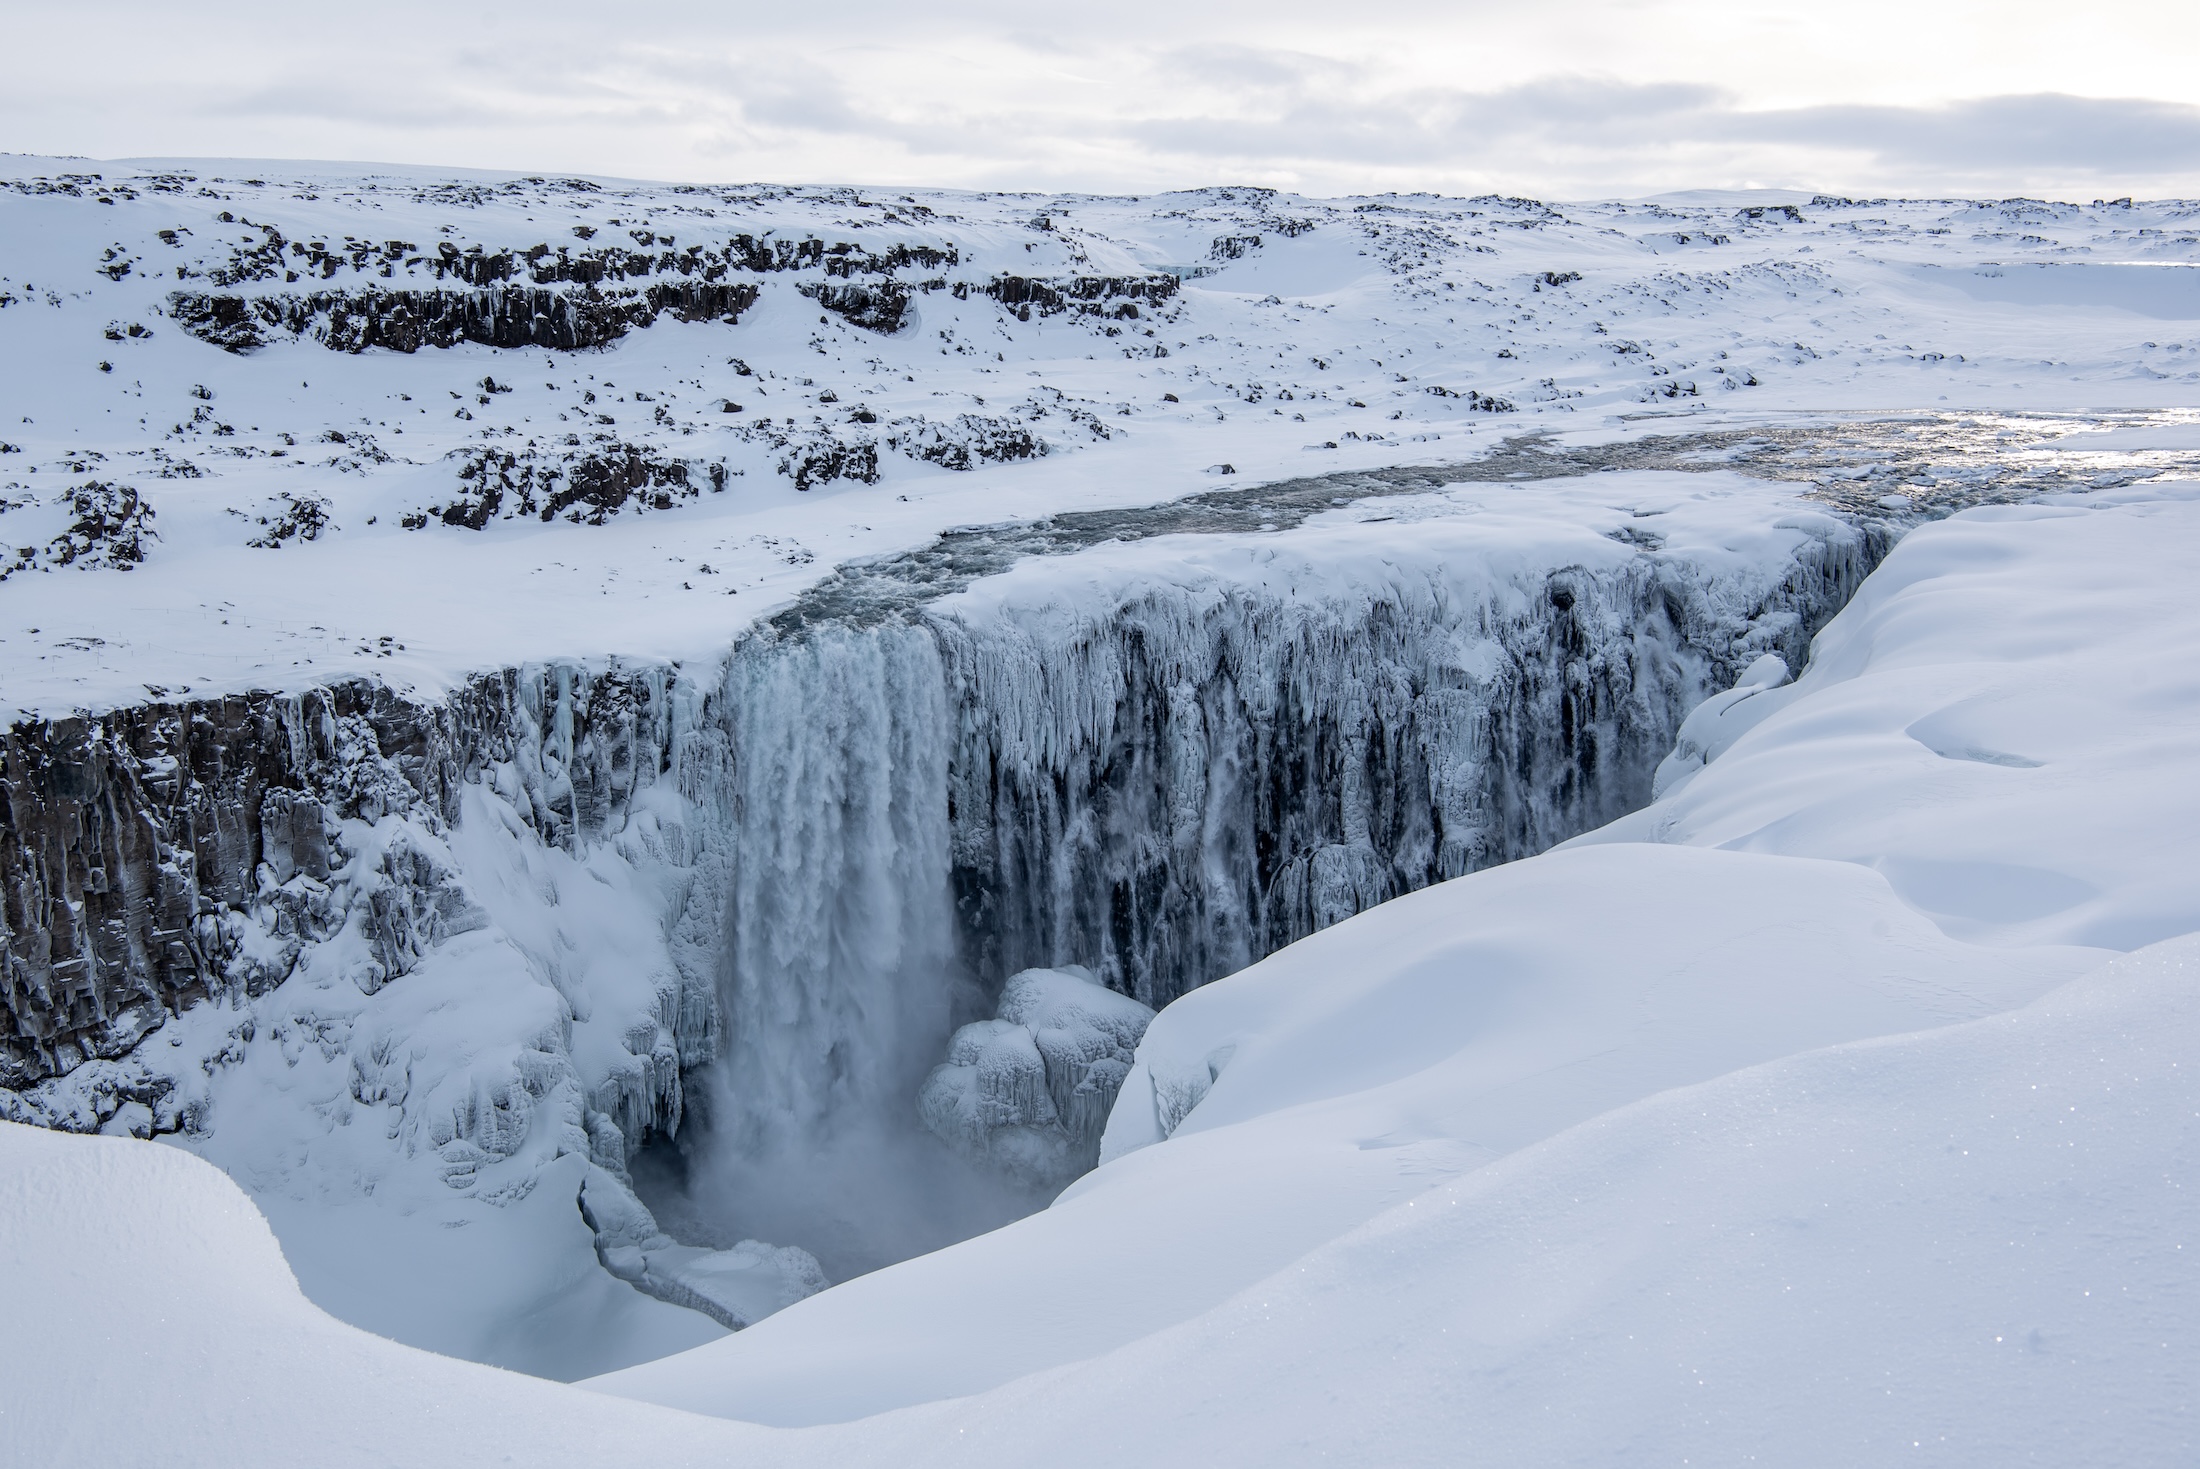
1605,131
2107,137
1141,97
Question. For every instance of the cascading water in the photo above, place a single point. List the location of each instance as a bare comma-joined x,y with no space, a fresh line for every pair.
840,952
840,978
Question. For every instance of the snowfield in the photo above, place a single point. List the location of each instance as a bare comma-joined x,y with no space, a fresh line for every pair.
1585,808
926,359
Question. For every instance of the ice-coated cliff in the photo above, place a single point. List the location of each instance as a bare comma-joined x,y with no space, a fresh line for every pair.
349,945
1216,747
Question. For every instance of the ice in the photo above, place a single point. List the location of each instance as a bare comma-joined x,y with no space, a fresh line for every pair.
1718,722
1030,1090
1770,905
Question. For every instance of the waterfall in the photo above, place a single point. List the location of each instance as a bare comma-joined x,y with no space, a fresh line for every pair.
840,948
1151,785
840,974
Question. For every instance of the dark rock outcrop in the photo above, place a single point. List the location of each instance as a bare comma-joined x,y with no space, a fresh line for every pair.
966,441
109,526
1088,295
496,316
137,847
881,306
588,485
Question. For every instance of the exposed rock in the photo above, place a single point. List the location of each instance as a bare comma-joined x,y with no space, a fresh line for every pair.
295,516
821,458
140,849
108,526
965,442
1089,295
880,306
1478,401
584,486
495,316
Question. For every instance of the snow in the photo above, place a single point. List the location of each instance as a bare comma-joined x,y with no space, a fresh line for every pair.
1711,1134
2039,809
2165,290
149,1266
1965,1243
1343,302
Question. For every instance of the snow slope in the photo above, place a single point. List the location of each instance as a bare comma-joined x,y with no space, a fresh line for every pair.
1967,1244
2046,806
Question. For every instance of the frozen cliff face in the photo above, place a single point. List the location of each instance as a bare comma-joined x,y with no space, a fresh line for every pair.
1029,1091
1174,758
1157,760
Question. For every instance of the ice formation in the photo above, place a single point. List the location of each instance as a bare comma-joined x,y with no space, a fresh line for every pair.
1030,1089
1559,1132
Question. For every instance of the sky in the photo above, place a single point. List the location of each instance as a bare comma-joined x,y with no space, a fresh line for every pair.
1561,99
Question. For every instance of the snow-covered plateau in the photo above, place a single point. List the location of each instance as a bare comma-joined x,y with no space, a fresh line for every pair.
911,826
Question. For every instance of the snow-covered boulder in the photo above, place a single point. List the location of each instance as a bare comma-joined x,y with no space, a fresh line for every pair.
1030,1090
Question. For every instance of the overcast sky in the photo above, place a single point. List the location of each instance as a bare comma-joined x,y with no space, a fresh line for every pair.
1560,99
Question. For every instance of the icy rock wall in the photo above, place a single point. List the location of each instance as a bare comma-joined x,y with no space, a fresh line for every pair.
302,849
779,889
1169,788
149,857
1159,789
